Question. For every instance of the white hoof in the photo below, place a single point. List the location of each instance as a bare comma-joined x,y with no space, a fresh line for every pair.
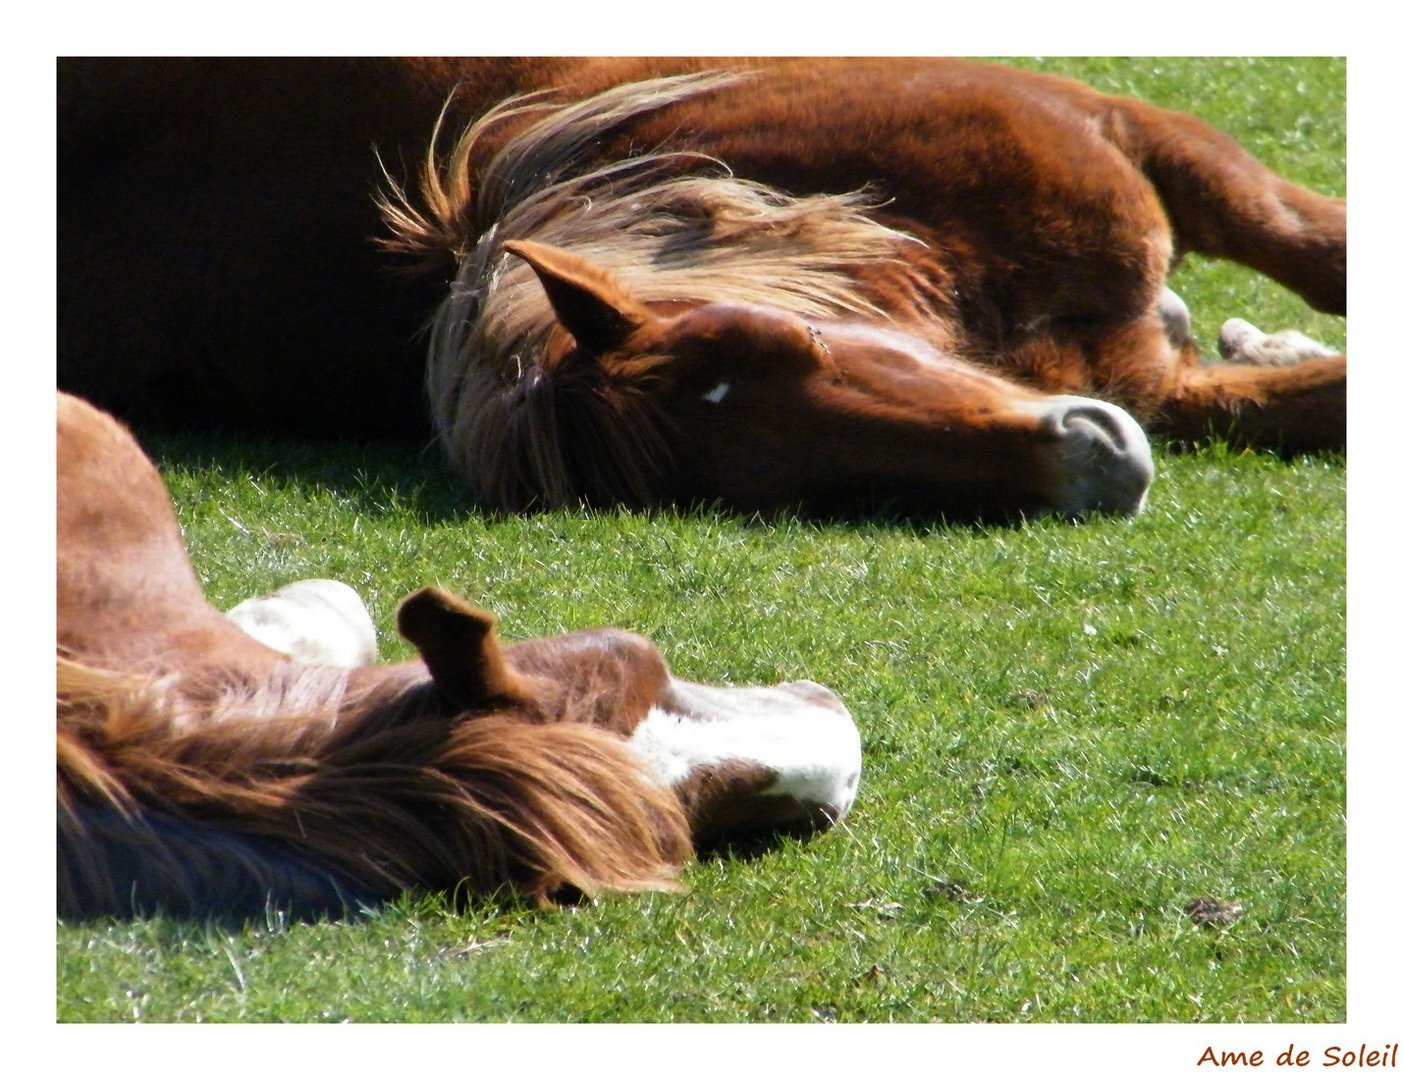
1174,313
317,621
1242,343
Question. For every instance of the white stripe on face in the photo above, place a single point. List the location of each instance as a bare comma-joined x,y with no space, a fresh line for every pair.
799,730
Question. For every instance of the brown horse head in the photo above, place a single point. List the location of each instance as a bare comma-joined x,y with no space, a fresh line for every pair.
555,766
659,330
760,408
739,759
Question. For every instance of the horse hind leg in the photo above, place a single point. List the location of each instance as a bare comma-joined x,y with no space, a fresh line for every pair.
1223,203
1283,392
1294,409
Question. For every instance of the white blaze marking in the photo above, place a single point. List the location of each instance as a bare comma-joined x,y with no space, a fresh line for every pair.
814,747
717,393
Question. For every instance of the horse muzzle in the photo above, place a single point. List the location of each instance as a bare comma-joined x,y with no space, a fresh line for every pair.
1100,458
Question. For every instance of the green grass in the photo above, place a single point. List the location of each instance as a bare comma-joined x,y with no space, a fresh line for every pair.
1070,731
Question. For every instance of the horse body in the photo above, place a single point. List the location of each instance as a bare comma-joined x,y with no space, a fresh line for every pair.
1019,228
202,772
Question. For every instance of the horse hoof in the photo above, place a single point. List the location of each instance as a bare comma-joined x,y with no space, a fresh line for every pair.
1242,343
1174,313
317,621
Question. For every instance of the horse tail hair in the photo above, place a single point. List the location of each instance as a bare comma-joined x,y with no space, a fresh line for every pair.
162,810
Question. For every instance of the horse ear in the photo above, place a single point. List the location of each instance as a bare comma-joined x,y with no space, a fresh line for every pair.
459,645
589,303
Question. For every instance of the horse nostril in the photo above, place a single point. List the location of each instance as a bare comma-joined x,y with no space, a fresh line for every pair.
1102,459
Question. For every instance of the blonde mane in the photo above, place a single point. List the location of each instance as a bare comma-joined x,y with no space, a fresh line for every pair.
670,224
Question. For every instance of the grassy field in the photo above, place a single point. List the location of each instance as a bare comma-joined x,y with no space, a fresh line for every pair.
1071,732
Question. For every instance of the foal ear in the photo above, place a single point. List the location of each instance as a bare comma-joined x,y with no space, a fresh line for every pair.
458,643
589,303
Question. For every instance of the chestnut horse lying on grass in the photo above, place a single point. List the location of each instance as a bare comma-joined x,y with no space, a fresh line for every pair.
933,285
203,773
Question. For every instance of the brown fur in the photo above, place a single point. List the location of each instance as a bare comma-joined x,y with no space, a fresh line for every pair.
1019,225
389,791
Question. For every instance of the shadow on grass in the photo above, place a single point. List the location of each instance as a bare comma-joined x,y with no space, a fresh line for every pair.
746,845
374,478
384,478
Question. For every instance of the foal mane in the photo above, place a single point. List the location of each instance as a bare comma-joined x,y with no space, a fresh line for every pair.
671,225
383,789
